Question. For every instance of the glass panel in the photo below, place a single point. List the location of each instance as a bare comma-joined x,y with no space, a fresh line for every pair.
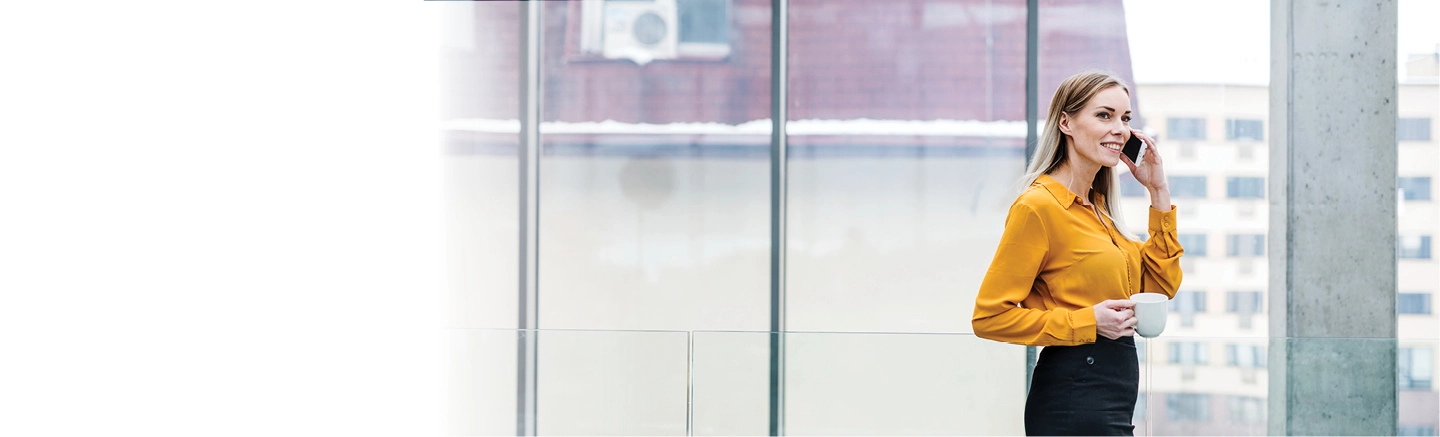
479,374
612,383
906,137
655,175
1193,395
861,384
480,128
481,133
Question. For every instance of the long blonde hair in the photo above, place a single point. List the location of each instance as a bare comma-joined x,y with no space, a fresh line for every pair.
1052,151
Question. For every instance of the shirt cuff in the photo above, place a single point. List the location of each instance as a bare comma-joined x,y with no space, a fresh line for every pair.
1163,220
1082,325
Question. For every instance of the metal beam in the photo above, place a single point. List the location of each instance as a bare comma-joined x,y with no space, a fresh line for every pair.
779,40
1032,121
529,160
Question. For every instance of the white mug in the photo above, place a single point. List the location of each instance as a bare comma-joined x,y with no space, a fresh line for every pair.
1150,309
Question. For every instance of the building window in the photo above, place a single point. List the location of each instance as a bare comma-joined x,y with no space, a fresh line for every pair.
1238,129
1140,350
1244,302
1194,244
1244,245
1416,429
1415,246
1415,188
1413,129
1414,303
1248,410
704,21
1187,301
1414,367
1185,128
1189,352
1244,355
1129,187
1245,188
1187,187
1187,407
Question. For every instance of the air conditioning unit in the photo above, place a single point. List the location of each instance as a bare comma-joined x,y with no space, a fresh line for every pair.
641,31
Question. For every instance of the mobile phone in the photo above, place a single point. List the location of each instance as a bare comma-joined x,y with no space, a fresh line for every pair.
1135,150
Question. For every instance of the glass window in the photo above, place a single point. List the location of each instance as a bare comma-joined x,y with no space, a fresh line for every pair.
1189,352
1244,245
1187,187
1416,430
1413,129
1187,407
1185,128
1245,188
1417,188
1414,368
1244,355
1187,301
1415,246
1129,187
1247,410
704,21
1239,129
1414,303
1244,302
1194,244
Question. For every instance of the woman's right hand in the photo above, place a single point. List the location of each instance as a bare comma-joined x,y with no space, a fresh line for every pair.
1115,318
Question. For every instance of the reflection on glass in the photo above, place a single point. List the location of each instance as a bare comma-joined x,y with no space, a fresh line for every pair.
655,186
612,383
861,384
480,122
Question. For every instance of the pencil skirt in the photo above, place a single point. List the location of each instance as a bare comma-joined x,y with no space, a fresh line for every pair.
1088,389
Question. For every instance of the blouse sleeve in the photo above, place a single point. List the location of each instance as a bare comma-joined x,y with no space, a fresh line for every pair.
1011,278
1160,255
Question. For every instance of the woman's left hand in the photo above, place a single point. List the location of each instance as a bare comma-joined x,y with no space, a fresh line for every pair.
1152,174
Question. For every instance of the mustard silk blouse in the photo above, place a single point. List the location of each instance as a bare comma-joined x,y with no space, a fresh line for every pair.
1056,260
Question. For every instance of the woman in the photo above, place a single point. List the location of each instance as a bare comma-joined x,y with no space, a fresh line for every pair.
1065,266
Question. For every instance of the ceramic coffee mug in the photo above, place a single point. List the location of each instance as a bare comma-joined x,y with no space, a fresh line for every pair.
1150,309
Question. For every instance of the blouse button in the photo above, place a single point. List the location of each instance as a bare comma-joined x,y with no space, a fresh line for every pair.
1089,360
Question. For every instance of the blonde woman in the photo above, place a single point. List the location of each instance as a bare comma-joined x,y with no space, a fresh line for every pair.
1065,267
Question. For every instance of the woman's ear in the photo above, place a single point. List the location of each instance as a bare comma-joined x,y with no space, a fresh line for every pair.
1065,123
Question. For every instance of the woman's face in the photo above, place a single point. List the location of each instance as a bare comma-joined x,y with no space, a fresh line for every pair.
1097,133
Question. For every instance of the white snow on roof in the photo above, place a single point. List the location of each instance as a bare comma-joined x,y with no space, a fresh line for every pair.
862,126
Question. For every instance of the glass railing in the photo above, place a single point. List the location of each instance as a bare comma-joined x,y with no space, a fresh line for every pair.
719,383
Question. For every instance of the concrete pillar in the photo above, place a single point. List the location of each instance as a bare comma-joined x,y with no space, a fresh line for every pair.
1332,217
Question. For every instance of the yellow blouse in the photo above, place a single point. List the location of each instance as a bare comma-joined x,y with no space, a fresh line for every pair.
1056,260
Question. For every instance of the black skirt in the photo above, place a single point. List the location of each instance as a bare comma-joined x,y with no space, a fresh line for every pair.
1088,389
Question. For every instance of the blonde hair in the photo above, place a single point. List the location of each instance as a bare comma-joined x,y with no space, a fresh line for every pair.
1052,151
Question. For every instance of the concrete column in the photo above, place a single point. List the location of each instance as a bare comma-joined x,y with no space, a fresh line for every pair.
1332,217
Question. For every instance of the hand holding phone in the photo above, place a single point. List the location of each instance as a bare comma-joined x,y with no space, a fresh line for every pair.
1135,150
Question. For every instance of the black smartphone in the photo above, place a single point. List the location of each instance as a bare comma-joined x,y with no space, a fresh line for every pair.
1134,149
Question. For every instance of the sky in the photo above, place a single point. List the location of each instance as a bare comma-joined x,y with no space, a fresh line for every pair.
1228,41
223,218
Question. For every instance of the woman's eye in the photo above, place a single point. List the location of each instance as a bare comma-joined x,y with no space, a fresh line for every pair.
1126,119
1104,116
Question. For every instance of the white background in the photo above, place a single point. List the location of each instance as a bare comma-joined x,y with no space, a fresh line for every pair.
219,218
